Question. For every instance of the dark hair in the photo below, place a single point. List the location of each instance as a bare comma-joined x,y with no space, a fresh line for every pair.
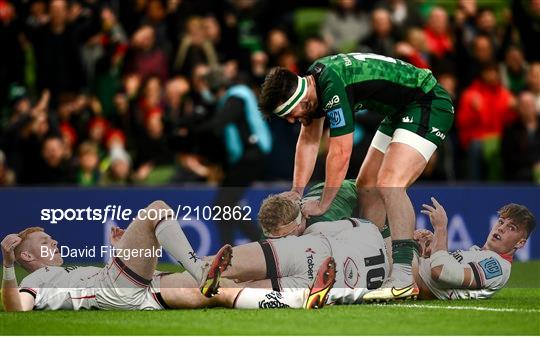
520,215
278,86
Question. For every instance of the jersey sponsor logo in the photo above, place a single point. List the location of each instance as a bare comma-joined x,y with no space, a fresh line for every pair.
331,103
336,118
457,255
310,264
438,133
407,119
273,301
491,268
351,273
347,60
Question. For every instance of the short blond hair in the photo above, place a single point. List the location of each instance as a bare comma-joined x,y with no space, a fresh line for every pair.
275,211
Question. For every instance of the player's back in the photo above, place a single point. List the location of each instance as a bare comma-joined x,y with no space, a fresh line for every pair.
361,261
62,288
374,82
490,270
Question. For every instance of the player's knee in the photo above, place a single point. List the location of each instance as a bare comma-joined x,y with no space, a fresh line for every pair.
158,205
388,186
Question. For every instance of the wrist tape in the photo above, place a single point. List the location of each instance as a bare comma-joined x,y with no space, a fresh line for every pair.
8,273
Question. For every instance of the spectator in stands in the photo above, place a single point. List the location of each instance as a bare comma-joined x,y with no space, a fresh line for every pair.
533,80
118,172
413,49
514,70
381,40
12,62
88,173
404,14
525,15
345,26
7,176
478,54
145,58
486,107
55,168
277,42
314,48
195,48
152,146
439,41
521,143
57,46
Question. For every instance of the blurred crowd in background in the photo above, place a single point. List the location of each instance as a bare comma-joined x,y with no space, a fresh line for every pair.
122,92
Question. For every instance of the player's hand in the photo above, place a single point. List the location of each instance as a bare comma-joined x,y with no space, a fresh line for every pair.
8,249
115,235
436,213
312,208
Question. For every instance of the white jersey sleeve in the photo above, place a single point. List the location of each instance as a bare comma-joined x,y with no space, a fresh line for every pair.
491,272
61,288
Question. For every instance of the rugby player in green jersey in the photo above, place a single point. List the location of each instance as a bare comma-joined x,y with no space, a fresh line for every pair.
418,114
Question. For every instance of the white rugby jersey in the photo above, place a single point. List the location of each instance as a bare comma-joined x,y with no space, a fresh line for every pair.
490,270
360,255
62,288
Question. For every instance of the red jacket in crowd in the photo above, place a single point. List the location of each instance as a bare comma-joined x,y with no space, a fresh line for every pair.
484,111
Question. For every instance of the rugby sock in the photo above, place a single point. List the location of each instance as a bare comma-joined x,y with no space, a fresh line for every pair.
174,241
253,298
402,255
385,231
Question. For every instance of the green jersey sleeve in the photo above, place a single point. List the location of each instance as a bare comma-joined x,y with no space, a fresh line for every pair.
344,205
335,103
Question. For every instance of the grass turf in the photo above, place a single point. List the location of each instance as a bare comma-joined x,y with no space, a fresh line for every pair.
513,311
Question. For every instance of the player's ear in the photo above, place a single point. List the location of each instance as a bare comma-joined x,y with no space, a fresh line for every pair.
26,256
520,244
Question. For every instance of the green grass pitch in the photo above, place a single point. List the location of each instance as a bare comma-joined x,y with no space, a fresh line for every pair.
513,311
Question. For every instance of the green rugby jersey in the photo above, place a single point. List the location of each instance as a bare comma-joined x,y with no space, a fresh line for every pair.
347,83
343,206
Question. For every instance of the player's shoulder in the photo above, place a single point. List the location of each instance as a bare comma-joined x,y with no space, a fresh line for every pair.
40,276
490,264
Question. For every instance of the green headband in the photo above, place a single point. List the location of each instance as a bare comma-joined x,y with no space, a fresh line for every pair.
300,92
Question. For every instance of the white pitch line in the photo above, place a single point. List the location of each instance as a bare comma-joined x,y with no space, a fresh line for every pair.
451,307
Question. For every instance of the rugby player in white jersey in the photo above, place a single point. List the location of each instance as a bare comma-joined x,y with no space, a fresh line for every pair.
132,283
474,274
478,272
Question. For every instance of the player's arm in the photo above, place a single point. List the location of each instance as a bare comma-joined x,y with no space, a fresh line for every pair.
337,164
338,111
12,299
307,148
446,270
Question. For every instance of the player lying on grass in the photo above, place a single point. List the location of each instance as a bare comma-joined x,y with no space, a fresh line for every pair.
130,283
281,215
475,273
291,262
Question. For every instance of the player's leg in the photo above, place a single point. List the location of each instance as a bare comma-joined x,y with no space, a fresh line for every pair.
248,263
146,233
370,201
371,206
420,130
313,298
181,291
393,181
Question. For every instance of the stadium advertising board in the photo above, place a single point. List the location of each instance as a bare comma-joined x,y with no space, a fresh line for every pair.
82,218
